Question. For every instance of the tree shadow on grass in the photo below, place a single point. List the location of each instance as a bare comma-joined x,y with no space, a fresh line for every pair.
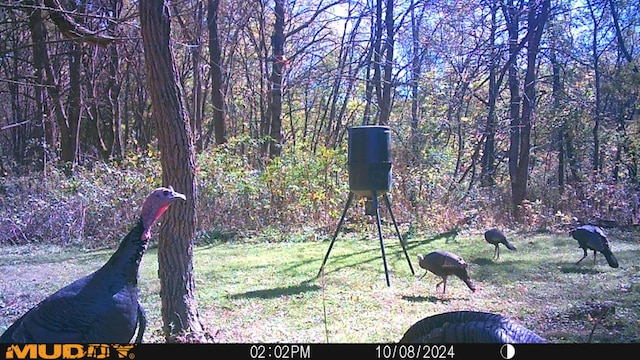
390,251
392,240
450,236
276,292
376,255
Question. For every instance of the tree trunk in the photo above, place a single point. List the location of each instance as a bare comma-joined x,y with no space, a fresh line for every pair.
115,110
275,82
620,39
198,94
488,155
40,52
627,105
70,142
537,18
512,16
557,94
369,85
175,140
521,125
377,56
217,90
385,104
417,140
21,132
595,130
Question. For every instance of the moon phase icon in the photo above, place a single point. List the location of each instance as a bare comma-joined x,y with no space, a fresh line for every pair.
507,351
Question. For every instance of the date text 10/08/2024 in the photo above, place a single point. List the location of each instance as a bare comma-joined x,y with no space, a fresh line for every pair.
409,351
380,351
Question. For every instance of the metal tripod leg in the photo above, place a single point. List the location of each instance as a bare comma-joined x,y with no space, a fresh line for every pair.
384,258
335,235
395,224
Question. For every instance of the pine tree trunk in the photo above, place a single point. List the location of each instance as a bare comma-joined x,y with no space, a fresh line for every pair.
177,231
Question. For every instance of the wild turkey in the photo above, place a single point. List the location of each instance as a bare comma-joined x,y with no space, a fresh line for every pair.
443,263
103,306
591,237
496,237
469,327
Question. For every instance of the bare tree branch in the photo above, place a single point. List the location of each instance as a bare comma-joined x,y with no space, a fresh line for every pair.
72,30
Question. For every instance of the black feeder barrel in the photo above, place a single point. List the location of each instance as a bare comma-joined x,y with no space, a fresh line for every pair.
369,160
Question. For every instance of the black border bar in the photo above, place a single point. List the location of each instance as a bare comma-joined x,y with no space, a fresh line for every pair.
297,351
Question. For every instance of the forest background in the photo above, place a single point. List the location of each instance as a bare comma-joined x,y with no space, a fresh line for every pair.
513,113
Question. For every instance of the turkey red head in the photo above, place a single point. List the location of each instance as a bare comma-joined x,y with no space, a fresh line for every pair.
155,205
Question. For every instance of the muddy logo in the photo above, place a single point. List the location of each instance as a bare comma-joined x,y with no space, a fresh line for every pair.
69,351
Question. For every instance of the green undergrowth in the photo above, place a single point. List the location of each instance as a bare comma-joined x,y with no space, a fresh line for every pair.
264,291
295,197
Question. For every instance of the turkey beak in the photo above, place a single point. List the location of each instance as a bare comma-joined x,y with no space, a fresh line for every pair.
172,198
177,195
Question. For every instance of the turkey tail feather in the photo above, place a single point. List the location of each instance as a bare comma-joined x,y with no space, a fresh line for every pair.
469,327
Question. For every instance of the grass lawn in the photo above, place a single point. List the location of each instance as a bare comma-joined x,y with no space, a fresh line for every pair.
269,292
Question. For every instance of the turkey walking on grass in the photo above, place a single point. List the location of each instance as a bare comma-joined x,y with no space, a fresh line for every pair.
496,237
591,237
102,307
469,327
443,263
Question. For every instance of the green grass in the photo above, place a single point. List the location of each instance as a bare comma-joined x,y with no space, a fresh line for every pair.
268,292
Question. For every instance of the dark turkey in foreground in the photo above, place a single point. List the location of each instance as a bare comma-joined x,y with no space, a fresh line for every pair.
496,237
103,306
443,263
469,327
591,237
